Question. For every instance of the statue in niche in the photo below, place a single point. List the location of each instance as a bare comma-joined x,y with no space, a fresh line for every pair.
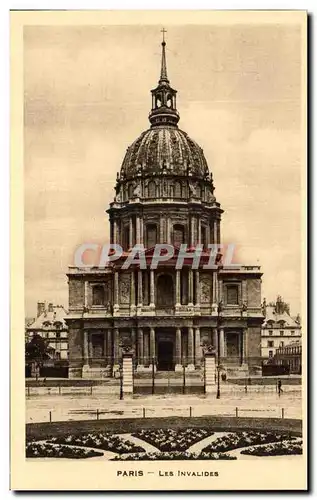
117,198
137,191
193,188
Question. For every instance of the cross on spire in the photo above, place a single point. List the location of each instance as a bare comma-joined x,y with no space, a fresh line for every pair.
163,31
163,77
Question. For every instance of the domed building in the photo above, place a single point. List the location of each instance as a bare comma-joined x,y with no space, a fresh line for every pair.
164,194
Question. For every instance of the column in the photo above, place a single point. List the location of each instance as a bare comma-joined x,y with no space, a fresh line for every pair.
105,347
146,349
198,230
131,232
116,346
152,343
152,304
190,287
138,229
178,350
245,346
214,292
115,225
116,291
215,339
86,349
86,293
190,349
222,342
178,288
161,229
197,298
192,230
197,347
132,293
215,232
90,351
140,348
168,230
109,347
141,230
140,289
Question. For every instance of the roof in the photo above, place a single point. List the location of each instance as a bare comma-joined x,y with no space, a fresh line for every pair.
56,315
271,315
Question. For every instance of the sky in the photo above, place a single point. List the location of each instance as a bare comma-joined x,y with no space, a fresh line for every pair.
87,98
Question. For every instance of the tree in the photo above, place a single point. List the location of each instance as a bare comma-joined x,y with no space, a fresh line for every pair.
36,351
280,306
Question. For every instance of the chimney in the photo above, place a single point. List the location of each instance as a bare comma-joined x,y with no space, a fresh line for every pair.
40,308
50,307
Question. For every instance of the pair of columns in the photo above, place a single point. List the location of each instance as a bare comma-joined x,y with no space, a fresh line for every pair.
146,350
222,343
110,349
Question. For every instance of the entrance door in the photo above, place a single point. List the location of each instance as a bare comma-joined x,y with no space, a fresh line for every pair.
233,347
165,356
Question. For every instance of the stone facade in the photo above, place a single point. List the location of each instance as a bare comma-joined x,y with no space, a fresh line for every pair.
164,194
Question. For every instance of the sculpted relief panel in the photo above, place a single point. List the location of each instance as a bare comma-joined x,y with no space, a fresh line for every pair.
205,289
124,289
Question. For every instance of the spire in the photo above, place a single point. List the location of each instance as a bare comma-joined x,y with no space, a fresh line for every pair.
163,77
163,110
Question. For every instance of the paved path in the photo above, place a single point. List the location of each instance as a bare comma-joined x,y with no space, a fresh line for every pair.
139,442
197,447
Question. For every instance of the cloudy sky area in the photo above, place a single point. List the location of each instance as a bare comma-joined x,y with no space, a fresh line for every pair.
87,97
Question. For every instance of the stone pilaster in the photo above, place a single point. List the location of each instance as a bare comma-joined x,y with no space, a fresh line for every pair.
130,232
222,342
86,349
197,298
152,343
116,291
190,349
178,288
152,291
190,288
178,349
197,347
116,340
109,347
140,289
132,293
140,348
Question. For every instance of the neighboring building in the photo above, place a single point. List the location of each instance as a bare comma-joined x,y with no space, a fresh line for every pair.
50,324
164,194
278,330
290,355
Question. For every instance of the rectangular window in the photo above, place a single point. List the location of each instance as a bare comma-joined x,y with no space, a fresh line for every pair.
270,343
293,332
281,344
232,294
282,333
270,354
270,332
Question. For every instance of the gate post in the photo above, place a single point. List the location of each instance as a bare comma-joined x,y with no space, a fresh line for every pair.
210,371
127,373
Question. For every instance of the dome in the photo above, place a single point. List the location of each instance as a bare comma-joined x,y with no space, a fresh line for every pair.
164,149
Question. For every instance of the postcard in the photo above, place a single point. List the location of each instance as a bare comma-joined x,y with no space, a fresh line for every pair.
159,326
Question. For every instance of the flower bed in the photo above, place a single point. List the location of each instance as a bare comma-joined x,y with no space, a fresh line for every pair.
275,449
49,450
171,439
100,440
243,439
175,455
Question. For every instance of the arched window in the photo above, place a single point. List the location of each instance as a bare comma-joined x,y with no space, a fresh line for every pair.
177,190
98,295
165,290
151,235
178,234
151,189
130,190
169,101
